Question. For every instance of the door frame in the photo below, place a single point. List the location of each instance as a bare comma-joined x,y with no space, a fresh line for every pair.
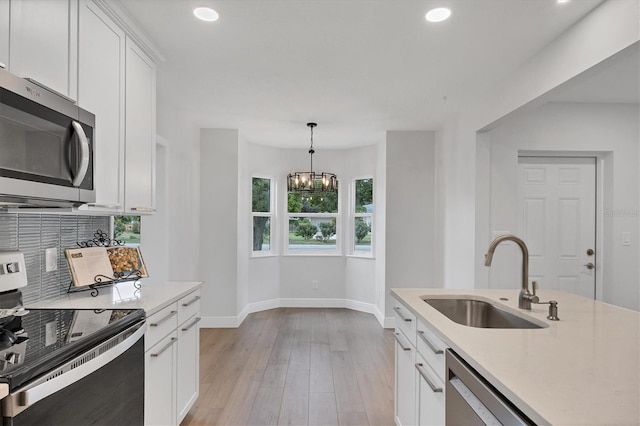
604,189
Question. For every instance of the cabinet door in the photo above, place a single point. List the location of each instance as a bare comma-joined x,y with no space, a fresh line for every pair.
43,43
140,131
431,405
4,33
405,397
101,60
159,382
188,366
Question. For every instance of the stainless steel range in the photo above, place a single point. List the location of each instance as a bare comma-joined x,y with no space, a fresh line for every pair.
67,367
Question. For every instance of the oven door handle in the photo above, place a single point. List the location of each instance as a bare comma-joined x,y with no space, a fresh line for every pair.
22,399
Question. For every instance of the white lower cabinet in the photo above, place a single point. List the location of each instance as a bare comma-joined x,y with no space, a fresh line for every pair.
188,371
420,371
430,395
159,380
172,361
405,397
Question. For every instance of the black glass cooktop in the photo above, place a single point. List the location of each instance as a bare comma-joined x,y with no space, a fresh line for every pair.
35,341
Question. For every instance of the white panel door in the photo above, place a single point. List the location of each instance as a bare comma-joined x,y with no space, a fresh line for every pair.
557,204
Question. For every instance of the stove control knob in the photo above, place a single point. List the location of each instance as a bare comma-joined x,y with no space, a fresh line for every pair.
12,358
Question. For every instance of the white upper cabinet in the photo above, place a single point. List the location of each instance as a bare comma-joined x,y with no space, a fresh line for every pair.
4,33
140,125
101,90
43,44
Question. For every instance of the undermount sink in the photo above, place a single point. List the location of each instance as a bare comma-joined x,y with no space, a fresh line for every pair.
478,313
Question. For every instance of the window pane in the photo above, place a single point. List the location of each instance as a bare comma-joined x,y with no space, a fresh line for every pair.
260,201
261,233
364,196
127,229
362,234
313,233
319,202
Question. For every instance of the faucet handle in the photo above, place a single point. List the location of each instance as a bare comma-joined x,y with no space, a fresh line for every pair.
534,298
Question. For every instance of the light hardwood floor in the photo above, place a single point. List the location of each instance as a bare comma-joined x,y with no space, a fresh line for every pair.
296,367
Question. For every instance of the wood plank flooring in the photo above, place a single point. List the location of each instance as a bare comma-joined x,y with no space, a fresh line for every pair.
294,366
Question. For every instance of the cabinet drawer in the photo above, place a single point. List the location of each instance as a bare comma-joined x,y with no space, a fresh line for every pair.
160,324
431,390
188,306
405,321
432,348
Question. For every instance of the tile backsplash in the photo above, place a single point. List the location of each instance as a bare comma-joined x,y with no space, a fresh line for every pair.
32,234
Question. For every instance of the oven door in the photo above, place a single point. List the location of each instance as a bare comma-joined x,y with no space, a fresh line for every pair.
104,386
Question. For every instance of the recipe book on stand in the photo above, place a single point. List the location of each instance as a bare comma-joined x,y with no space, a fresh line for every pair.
92,265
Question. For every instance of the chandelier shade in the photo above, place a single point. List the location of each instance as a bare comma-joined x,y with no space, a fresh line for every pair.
307,182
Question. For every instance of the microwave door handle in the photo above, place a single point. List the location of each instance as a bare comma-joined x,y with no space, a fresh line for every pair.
81,171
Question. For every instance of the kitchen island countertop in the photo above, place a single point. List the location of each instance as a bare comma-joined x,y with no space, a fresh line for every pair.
152,296
583,369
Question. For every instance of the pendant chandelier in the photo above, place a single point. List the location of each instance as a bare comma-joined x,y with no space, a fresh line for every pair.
306,182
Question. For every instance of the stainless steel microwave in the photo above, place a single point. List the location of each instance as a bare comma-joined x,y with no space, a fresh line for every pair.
47,153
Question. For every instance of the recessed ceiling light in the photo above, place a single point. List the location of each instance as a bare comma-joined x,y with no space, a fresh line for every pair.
562,1
438,15
206,14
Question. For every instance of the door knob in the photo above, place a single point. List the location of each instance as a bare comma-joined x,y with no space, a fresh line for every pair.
590,266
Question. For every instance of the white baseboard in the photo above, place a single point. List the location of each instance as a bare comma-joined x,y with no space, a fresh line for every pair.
219,322
389,322
385,322
233,322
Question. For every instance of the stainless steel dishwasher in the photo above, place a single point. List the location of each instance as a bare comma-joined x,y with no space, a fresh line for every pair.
471,400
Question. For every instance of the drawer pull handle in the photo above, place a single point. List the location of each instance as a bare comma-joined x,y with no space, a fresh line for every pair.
105,206
161,320
165,347
428,342
425,376
195,321
191,302
400,342
402,317
143,209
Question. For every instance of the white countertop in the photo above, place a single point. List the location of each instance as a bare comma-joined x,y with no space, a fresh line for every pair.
152,296
583,369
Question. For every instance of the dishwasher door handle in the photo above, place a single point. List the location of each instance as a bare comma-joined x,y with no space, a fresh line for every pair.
14,403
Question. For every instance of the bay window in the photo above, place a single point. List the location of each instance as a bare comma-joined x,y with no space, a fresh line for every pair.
362,216
262,215
313,223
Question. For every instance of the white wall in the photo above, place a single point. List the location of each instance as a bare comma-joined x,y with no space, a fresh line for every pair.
218,223
380,195
170,238
609,129
564,58
410,211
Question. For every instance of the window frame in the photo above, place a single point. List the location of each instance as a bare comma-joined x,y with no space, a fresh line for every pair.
353,217
271,215
338,251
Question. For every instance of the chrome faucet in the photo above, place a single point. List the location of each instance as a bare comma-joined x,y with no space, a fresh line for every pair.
525,298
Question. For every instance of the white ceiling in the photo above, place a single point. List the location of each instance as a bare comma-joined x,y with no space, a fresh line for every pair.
357,67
